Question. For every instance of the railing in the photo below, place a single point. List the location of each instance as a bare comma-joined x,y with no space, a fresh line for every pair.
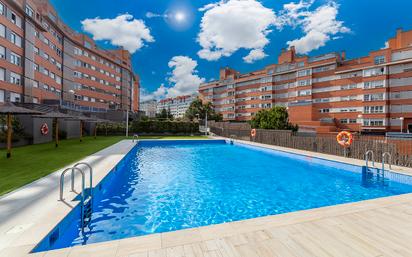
400,150
86,201
369,152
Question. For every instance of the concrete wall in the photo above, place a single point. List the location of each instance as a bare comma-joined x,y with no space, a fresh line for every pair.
38,137
32,128
71,127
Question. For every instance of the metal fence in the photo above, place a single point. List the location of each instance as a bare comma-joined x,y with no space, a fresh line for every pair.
401,150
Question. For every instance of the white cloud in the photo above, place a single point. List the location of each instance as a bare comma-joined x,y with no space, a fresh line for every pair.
183,77
254,55
319,26
124,31
156,95
229,26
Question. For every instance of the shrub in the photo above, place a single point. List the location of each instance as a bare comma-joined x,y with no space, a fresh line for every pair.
18,129
275,118
159,127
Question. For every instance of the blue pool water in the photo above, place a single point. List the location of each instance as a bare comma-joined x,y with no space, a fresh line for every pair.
170,185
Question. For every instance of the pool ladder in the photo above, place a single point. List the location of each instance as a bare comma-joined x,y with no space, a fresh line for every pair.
372,154
86,198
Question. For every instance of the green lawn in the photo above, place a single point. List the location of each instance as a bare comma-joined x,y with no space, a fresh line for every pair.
29,163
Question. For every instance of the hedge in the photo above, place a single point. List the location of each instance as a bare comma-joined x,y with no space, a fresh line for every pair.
150,127
155,126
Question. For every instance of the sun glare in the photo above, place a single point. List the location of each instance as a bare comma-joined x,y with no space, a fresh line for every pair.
180,16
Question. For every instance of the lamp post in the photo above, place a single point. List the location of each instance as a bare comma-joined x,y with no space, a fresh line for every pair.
206,124
360,116
127,123
401,118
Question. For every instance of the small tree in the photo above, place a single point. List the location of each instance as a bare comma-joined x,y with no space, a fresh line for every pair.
275,118
164,114
198,109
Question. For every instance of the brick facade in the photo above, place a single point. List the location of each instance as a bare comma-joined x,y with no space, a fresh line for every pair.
325,93
42,60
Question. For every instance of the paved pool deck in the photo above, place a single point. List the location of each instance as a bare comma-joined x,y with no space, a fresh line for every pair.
379,227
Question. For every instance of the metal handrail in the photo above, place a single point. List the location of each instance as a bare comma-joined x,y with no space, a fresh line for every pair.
367,158
90,177
232,139
135,136
82,193
383,160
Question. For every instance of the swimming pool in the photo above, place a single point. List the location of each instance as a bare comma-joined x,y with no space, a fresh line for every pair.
163,186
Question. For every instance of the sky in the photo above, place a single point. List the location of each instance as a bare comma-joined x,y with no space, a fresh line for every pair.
178,44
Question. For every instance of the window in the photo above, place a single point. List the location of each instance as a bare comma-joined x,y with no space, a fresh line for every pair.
77,74
1,8
379,59
15,59
15,39
36,50
2,74
29,11
2,52
351,86
2,30
324,110
303,73
374,72
374,84
87,44
35,67
15,98
1,93
304,92
35,84
45,56
373,109
373,122
15,78
77,51
15,19
373,97
302,83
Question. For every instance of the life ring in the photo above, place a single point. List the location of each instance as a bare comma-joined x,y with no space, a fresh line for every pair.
44,129
253,132
345,138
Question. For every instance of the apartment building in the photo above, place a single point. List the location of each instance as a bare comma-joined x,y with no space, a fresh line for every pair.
325,93
43,61
149,108
177,106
